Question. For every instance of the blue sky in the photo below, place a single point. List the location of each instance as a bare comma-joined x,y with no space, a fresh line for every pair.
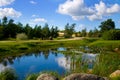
85,13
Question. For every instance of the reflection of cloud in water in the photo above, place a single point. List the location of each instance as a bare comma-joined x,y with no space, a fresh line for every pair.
89,57
64,62
2,67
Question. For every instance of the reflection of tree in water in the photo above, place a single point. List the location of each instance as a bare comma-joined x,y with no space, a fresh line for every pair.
46,54
5,60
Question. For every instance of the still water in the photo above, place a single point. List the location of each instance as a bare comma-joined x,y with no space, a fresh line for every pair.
46,61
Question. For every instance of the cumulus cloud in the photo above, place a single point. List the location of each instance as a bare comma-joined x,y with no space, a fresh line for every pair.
9,12
78,10
33,2
75,8
5,2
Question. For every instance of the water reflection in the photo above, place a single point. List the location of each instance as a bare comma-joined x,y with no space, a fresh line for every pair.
64,62
2,67
48,61
61,49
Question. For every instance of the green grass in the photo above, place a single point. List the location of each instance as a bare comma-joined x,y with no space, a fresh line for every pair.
116,78
8,74
107,64
107,45
35,75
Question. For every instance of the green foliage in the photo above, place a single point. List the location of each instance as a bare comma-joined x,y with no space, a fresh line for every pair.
107,25
45,32
8,74
69,30
28,30
54,32
84,33
94,33
116,78
21,36
112,35
107,63
1,32
32,77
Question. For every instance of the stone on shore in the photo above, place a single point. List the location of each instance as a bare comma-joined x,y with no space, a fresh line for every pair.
46,76
115,74
83,76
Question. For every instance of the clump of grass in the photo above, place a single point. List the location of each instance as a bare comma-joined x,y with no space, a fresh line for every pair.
8,74
35,75
116,78
32,76
107,63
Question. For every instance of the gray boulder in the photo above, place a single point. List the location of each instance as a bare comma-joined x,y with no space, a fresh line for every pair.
46,76
82,76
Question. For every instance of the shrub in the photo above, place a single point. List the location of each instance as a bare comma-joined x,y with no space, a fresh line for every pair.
8,74
112,35
21,36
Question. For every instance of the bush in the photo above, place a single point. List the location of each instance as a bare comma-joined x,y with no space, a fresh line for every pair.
112,35
8,74
21,36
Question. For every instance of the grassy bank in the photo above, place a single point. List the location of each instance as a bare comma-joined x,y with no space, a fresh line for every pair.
39,45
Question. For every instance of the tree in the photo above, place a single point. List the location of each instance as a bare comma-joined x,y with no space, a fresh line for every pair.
45,32
90,34
69,30
84,33
1,32
28,31
20,27
54,32
107,25
37,31
4,21
112,35
11,29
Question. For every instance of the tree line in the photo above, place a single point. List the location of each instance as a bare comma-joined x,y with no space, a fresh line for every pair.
9,29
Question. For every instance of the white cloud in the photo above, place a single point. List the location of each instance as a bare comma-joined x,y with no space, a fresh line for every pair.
94,17
37,20
78,10
34,16
33,2
75,8
5,2
9,12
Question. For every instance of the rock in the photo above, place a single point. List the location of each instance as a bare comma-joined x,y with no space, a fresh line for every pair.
116,49
46,76
115,74
83,76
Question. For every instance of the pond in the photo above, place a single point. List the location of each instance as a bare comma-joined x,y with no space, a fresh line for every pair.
48,61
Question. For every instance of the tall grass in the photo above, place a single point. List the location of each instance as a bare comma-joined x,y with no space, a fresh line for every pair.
8,74
107,64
